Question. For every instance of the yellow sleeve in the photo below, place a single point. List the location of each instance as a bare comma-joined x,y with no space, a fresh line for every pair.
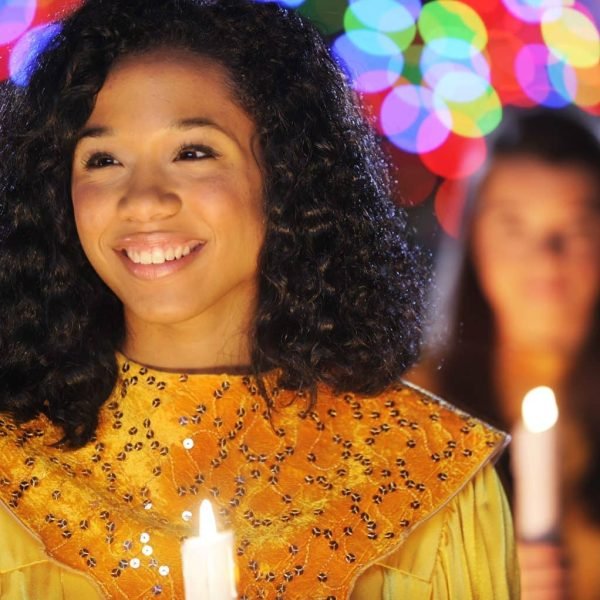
27,573
465,551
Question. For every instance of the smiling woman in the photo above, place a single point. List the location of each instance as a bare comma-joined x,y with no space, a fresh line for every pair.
207,292
168,201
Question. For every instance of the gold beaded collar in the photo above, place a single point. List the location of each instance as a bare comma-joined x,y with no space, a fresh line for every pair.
313,497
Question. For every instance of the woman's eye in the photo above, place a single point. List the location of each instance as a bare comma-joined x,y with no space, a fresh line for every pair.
510,225
100,161
194,153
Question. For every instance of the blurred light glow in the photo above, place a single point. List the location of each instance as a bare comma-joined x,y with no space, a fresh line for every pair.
461,87
452,20
329,15
531,67
457,157
48,10
373,42
531,11
589,7
381,27
412,6
449,205
383,15
370,72
453,48
539,409
286,3
473,104
415,183
587,86
571,36
23,56
563,79
435,66
412,63
16,17
503,47
411,121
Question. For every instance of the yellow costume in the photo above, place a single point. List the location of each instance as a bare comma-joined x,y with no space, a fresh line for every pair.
388,497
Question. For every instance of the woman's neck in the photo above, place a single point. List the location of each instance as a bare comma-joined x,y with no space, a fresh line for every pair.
204,344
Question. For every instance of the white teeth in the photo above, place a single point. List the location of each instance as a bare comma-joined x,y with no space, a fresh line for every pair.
133,256
157,256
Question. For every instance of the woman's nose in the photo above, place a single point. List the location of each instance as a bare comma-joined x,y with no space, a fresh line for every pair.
148,196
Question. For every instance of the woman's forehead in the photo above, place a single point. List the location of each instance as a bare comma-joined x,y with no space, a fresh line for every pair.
527,183
155,87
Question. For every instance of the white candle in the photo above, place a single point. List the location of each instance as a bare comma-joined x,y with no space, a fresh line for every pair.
208,566
535,467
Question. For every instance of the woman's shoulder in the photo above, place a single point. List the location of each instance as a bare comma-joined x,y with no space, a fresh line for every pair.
424,421
26,571
466,550
20,435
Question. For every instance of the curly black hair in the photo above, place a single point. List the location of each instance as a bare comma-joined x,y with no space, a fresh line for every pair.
340,285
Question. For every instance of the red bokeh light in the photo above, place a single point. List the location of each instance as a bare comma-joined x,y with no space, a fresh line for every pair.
457,157
414,182
449,205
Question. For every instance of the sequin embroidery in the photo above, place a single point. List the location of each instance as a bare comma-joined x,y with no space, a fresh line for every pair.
313,496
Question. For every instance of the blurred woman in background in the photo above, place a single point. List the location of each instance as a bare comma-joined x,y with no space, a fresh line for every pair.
521,295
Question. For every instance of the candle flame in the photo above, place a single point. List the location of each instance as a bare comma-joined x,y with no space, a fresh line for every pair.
539,409
208,525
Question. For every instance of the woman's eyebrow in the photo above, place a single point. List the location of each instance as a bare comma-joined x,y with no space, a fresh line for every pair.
180,124
193,122
94,132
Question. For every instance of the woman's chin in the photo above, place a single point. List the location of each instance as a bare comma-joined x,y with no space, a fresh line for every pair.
161,314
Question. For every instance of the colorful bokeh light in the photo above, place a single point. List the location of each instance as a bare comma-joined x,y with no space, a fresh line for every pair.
534,65
286,3
532,11
413,119
452,28
16,16
434,75
571,36
449,205
27,48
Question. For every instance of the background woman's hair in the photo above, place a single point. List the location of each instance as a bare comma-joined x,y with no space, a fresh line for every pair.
341,289
462,351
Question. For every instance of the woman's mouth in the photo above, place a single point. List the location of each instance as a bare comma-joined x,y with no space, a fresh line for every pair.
158,262
158,256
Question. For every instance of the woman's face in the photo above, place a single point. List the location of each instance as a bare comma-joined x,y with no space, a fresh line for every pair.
167,191
536,249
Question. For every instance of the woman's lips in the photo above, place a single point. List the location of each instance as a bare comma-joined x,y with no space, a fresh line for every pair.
157,271
545,290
